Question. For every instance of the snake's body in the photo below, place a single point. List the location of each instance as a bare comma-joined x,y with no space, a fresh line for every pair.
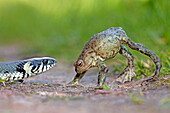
13,71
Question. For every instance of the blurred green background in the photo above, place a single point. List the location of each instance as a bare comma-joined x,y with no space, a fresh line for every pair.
60,28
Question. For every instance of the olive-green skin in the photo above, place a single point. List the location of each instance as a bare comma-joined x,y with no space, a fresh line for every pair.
105,45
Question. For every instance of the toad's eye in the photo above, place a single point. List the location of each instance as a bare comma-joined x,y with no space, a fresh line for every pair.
80,63
45,61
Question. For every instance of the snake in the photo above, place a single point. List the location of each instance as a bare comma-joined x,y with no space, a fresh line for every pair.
19,70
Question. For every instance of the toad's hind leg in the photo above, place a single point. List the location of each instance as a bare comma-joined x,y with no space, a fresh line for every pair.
141,48
129,71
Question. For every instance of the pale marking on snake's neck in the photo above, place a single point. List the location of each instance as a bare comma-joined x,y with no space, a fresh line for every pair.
28,68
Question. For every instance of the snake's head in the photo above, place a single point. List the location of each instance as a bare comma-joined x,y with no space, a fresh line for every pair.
39,65
84,63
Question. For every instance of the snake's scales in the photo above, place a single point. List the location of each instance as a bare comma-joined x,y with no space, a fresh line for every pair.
13,71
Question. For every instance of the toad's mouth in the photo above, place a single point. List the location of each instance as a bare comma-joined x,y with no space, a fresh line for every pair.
82,72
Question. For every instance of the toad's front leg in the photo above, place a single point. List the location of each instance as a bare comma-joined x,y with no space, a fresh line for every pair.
76,80
103,70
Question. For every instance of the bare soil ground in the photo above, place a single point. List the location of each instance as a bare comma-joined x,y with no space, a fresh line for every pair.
47,93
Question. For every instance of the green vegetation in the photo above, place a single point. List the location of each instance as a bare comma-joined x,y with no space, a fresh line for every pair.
165,100
61,28
136,99
3,81
106,87
165,103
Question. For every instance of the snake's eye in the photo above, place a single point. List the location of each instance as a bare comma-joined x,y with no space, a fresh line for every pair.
80,63
45,61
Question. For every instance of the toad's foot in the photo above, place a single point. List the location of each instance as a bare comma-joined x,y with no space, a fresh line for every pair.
151,79
126,75
73,83
95,87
